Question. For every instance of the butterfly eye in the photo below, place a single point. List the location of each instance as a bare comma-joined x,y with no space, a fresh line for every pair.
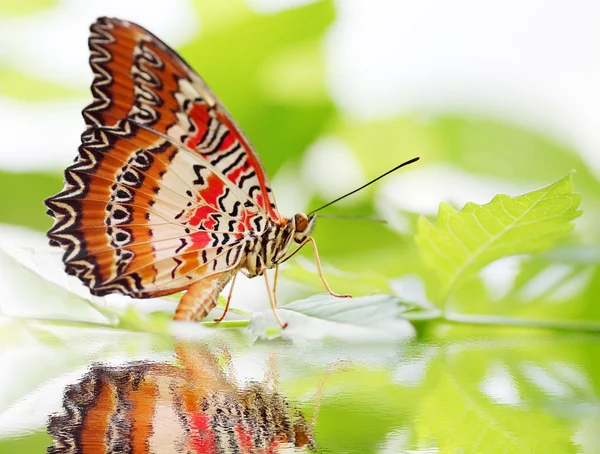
301,221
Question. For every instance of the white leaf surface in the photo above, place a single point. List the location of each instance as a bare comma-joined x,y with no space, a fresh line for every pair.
367,318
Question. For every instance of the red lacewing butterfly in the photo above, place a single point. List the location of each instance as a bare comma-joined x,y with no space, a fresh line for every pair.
166,193
187,407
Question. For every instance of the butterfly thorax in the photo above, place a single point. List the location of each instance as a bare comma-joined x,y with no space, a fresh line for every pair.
267,249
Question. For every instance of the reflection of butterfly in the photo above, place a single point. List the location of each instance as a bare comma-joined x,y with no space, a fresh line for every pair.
160,407
166,193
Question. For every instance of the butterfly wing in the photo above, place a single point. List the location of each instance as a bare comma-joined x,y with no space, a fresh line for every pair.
165,189
138,407
191,407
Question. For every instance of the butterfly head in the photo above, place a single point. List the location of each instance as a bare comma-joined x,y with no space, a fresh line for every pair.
303,225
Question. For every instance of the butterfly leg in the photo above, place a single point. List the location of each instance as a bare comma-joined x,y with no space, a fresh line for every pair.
320,271
272,300
275,284
272,372
219,319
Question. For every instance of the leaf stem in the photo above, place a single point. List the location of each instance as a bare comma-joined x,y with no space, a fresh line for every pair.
227,324
522,322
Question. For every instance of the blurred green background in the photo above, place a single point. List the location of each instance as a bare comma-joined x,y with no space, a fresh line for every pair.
332,94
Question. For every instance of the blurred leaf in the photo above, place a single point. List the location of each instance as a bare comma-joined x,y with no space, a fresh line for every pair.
508,397
559,288
22,198
135,320
492,147
304,270
35,286
359,249
477,144
295,76
26,295
347,237
461,243
383,144
240,53
24,7
16,84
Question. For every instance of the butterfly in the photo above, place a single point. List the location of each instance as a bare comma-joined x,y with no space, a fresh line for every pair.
187,406
166,193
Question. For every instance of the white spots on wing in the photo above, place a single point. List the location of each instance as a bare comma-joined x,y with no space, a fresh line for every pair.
184,124
187,89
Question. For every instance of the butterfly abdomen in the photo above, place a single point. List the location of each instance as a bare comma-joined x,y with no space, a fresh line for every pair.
202,296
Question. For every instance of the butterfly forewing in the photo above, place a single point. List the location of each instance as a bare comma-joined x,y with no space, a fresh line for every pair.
166,189
141,78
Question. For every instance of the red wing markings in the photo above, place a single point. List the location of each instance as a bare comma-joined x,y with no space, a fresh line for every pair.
205,223
188,153
265,199
157,181
197,240
134,182
199,179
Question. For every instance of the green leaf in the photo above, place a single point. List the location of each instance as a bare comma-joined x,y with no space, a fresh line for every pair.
460,243
365,311
370,317
557,288
506,397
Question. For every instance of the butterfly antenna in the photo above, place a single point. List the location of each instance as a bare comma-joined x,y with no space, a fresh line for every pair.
410,161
